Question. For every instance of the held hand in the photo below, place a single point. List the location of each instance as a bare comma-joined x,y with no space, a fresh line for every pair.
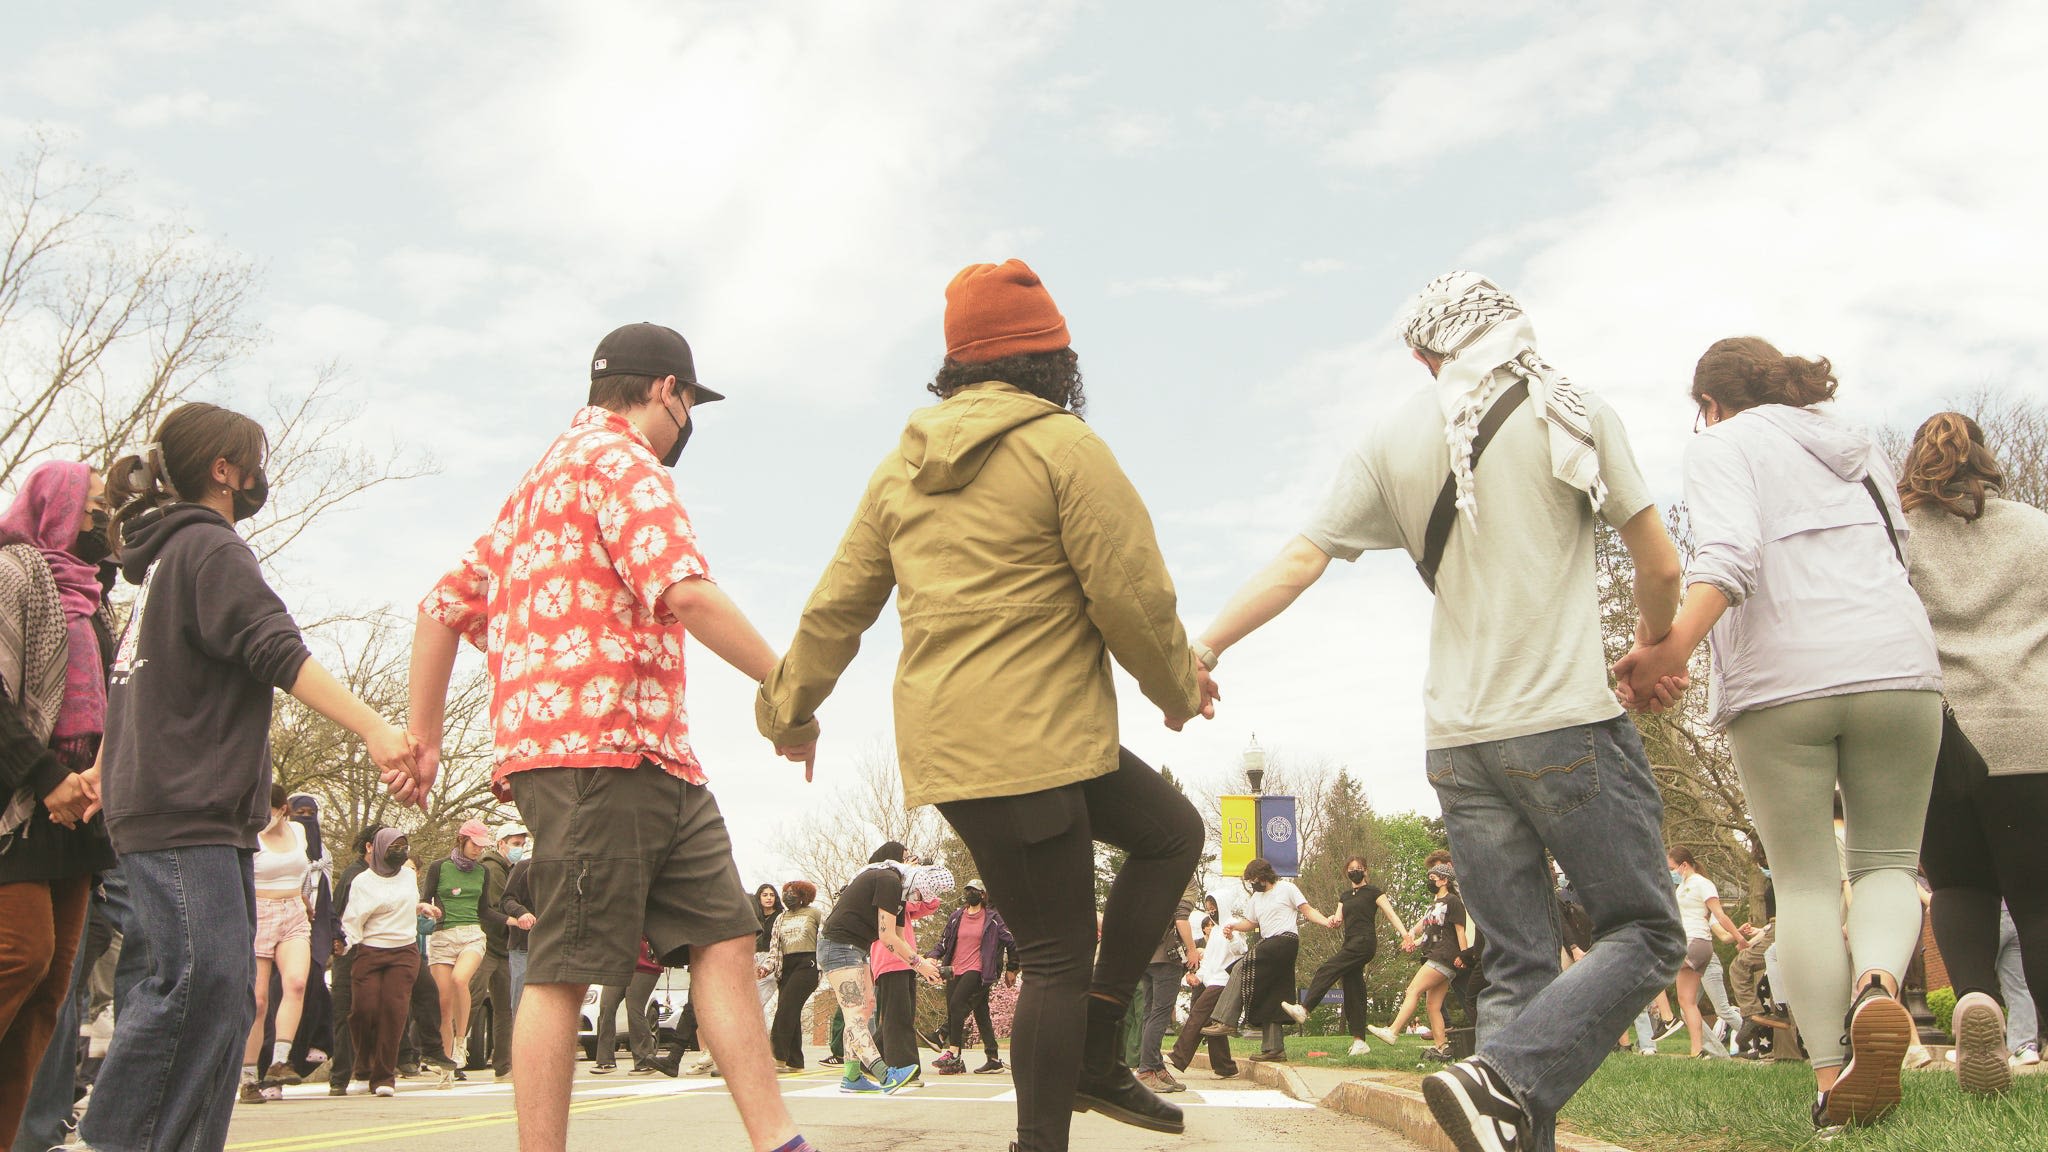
525,923
69,800
804,754
1009,979
1210,692
427,766
340,947
1649,677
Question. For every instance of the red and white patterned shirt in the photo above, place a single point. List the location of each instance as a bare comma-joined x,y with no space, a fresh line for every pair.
564,594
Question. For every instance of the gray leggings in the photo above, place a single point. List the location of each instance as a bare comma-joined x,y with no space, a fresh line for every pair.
1878,748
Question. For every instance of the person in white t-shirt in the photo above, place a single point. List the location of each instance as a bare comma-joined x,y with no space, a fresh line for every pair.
1275,911
1699,906
1221,953
1528,751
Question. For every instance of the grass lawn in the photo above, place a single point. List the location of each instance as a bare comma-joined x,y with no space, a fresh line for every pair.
1670,1104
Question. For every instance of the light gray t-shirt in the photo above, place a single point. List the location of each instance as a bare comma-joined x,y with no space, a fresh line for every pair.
1514,640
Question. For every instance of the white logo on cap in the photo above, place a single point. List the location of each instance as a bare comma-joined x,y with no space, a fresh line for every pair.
597,367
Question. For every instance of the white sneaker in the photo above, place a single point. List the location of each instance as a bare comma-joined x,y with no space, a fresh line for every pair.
386,1090
1359,1048
1296,1011
1980,1045
1475,1109
2028,1055
1386,1035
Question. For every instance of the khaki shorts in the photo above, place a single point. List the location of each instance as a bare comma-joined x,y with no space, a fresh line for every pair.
621,853
279,921
1699,954
446,945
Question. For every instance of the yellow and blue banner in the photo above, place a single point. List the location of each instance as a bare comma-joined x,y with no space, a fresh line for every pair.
1240,820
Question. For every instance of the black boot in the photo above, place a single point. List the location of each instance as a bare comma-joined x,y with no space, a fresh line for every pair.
1107,1085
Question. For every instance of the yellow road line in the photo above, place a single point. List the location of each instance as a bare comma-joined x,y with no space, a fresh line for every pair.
349,1136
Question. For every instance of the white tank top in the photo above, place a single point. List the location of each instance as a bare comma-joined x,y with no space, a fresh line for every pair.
287,869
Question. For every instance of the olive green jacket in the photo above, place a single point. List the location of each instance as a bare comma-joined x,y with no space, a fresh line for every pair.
1023,560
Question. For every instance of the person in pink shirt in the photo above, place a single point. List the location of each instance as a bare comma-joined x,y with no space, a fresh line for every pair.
895,982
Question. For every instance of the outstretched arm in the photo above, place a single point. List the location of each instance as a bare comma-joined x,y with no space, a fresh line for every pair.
1267,594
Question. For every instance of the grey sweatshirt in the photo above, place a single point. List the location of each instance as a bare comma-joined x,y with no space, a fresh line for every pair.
1985,584
187,757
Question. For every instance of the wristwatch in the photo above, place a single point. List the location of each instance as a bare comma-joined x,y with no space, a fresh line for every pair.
1204,655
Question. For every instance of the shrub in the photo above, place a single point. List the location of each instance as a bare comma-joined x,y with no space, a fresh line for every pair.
1942,1002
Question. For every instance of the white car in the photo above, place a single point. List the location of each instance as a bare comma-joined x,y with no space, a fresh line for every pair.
671,992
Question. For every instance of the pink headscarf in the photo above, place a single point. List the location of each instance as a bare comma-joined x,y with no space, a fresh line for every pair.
45,515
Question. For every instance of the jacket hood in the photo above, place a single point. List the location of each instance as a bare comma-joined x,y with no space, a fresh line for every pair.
947,443
144,537
1845,450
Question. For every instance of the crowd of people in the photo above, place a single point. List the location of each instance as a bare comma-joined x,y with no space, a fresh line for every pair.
1024,565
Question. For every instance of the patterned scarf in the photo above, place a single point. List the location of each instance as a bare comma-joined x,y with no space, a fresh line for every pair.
45,515
1478,330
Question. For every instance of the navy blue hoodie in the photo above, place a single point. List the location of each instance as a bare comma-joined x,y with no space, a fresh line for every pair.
187,758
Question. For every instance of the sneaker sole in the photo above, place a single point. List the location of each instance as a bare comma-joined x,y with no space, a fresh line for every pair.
1453,1114
1085,1103
1980,1050
1868,1089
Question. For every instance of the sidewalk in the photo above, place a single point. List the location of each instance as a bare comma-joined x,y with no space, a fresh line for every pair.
1379,1098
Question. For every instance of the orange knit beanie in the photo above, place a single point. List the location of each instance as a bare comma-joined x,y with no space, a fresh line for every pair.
998,310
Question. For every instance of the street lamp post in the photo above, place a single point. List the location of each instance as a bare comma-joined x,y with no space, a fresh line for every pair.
1255,766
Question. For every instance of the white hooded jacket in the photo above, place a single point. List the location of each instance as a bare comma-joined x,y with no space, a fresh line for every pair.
1819,604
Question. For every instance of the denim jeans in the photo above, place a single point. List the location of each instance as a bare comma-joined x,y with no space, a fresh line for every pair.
1585,795
2022,1022
177,1050
51,1098
515,962
1162,988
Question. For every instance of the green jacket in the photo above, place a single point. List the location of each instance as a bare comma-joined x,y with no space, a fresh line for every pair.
1022,560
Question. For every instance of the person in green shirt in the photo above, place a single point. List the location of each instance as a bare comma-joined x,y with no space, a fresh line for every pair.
454,889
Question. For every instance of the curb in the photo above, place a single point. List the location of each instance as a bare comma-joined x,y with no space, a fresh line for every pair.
1398,1109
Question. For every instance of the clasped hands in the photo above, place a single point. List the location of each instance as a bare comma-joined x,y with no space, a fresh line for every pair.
1654,674
1210,695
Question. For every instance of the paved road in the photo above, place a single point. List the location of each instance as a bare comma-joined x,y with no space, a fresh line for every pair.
617,1113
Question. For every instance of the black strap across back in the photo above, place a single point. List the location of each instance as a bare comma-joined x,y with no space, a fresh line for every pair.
1444,516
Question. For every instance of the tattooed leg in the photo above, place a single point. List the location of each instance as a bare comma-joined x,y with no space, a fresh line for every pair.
856,990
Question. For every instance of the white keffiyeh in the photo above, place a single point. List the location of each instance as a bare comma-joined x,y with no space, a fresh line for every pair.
1477,329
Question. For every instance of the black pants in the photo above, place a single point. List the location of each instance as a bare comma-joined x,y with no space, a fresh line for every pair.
1037,854
1982,846
1348,965
799,979
490,994
343,994
1191,1038
896,1018
966,995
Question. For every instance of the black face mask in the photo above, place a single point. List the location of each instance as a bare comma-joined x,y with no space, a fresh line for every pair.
973,898
93,544
682,438
395,858
249,501
1355,876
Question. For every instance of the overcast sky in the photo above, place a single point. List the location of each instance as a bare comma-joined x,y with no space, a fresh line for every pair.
1229,201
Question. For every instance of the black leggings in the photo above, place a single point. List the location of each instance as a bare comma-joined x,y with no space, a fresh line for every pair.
1348,965
1037,854
1979,848
799,980
967,995
896,1018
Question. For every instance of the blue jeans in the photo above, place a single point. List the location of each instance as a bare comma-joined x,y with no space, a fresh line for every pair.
1584,795
1162,988
50,1099
170,1073
515,963
2022,1025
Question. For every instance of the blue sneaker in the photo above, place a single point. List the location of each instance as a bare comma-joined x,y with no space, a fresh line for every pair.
901,1079
859,1084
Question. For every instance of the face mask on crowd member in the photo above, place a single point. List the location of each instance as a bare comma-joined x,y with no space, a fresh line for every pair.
1356,875
973,897
648,364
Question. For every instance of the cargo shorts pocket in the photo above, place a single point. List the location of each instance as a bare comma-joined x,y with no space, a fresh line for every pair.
1553,772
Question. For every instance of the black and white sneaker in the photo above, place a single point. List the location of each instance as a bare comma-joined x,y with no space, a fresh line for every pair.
1475,1108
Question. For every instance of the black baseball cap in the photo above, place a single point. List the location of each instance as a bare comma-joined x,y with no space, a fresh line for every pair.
649,350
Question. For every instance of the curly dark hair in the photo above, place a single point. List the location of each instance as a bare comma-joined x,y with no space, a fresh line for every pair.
1054,376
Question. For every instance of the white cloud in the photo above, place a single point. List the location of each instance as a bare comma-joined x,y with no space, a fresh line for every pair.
1323,266
1128,132
164,108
